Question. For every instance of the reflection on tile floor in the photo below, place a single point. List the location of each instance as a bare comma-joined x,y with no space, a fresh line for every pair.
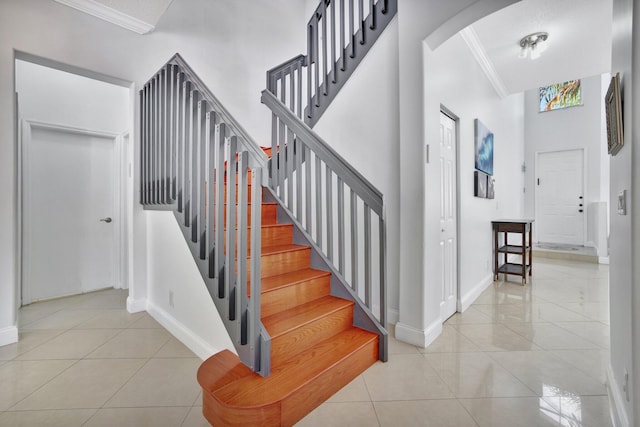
519,356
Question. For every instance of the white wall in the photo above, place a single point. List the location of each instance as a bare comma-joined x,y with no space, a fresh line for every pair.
454,79
362,125
229,44
624,276
54,96
435,21
569,129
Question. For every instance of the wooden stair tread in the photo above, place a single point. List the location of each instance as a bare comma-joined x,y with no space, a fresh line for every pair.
278,249
290,279
287,378
280,323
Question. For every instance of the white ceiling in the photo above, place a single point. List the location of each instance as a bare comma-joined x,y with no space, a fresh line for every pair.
579,43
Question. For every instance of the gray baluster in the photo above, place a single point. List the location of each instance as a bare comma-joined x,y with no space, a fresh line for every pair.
221,136
372,15
316,61
329,199
307,183
299,91
211,202
230,252
241,287
179,138
361,20
343,55
367,255
340,226
351,29
334,70
383,271
256,251
318,187
354,241
203,130
324,49
310,59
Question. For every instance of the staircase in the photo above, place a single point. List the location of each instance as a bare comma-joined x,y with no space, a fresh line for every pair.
286,237
315,349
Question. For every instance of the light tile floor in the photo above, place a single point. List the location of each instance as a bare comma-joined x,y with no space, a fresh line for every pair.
519,356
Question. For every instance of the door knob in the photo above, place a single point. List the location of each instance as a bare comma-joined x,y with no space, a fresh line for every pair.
579,210
107,220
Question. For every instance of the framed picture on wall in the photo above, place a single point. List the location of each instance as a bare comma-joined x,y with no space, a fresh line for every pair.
613,107
560,95
484,148
480,184
490,188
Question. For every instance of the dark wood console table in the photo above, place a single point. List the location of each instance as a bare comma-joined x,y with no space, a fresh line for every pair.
524,228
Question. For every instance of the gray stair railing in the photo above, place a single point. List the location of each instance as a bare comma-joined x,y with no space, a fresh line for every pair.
339,35
340,214
197,161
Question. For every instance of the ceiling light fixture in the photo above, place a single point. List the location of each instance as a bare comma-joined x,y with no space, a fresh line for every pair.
533,45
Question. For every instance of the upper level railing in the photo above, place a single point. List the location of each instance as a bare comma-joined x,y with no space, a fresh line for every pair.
199,162
339,35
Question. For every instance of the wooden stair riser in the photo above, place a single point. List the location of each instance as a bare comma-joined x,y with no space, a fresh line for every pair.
268,217
270,236
308,335
287,297
312,395
280,263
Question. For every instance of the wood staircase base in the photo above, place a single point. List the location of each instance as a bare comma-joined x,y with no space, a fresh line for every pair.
235,396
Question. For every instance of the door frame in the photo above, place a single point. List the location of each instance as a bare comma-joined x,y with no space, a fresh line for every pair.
584,189
120,268
456,119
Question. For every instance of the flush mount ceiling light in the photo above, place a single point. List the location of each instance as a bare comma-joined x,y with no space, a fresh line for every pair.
533,45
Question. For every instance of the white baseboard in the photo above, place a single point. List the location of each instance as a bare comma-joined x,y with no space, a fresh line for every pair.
419,337
136,305
618,415
8,335
603,260
467,299
196,344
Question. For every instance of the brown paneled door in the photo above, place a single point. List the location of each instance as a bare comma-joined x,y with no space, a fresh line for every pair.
448,216
560,203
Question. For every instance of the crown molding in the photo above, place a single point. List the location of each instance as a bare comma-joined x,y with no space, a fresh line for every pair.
110,15
470,37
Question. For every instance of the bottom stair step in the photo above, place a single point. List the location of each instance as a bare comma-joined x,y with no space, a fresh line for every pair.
234,396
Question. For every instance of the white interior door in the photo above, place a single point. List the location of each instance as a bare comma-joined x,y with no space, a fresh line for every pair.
448,216
68,241
560,206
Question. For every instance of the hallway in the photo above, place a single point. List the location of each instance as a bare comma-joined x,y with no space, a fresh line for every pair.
520,356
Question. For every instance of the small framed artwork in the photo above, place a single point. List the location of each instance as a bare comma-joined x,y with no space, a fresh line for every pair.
484,148
613,107
560,95
480,184
491,194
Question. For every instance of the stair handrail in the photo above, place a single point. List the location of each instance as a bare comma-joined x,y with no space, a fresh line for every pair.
197,161
305,168
349,175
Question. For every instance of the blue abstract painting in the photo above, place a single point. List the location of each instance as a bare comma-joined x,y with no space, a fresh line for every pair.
484,148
